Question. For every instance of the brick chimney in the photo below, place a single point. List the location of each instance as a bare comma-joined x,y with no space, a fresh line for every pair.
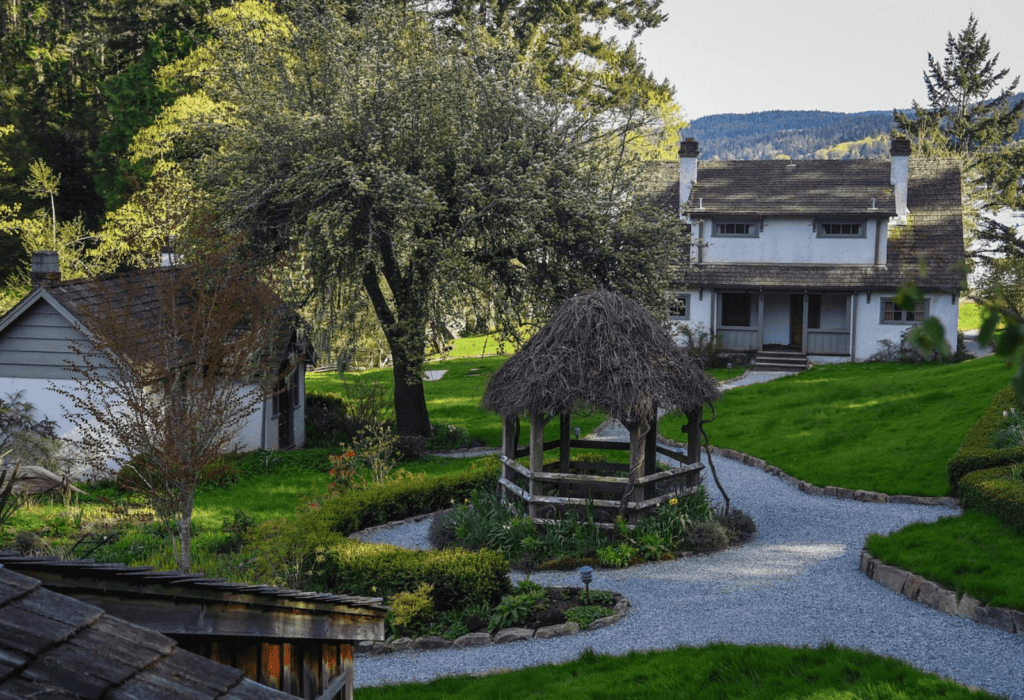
900,152
45,268
689,150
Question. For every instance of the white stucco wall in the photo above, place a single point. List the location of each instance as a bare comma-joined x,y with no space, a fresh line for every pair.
870,330
794,241
47,402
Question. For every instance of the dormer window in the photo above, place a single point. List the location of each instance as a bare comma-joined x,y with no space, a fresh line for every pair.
735,228
841,229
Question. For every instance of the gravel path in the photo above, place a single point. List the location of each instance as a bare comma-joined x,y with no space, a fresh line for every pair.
797,583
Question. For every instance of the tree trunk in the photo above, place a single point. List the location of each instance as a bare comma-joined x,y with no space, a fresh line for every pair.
185,536
411,416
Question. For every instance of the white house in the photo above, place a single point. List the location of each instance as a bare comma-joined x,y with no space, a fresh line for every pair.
36,338
800,260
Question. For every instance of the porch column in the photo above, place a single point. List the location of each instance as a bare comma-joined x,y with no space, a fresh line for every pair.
803,333
760,321
853,327
536,458
714,311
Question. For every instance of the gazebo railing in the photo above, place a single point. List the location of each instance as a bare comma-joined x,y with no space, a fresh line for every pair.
553,492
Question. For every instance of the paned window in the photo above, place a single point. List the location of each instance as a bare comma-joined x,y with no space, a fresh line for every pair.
679,306
814,311
894,313
844,228
736,310
735,228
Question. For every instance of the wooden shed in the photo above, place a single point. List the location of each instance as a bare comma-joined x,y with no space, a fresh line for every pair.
600,352
298,642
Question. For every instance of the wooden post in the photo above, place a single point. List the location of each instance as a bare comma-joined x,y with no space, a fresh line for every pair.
536,457
651,453
564,451
803,332
636,465
693,436
508,448
760,321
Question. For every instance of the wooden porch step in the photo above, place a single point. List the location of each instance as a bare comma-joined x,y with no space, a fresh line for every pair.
778,360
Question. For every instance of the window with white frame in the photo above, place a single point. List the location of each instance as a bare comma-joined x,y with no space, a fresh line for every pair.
678,306
735,228
894,313
841,229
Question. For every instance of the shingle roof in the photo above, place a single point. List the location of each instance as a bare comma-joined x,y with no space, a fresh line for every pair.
933,234
778,187
54,646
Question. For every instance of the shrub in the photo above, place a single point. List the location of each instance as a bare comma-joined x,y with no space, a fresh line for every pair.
977,452
700,344
583,615
708,536
997,492
447,436
1011,430
312,550
327,419
412,611
739,526
515,608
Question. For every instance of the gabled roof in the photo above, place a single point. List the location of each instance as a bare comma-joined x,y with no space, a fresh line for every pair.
136,291
932,236
57,647
799,187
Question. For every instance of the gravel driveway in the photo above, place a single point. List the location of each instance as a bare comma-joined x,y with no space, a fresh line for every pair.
797,583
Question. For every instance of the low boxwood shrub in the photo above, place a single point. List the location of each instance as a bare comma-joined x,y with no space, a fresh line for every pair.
311,550
977,452
997,492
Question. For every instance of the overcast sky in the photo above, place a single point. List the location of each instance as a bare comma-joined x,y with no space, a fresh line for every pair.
833,55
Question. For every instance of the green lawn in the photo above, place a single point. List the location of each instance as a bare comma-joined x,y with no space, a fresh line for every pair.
479,345
873,426
712,672
970,316
455,398
972,553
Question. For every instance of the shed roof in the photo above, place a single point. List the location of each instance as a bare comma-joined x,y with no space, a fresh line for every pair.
601,351
54,646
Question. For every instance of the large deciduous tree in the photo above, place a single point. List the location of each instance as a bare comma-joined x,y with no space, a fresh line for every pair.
430,168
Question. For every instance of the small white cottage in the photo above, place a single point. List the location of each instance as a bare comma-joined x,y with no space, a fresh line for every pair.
803,259
36,338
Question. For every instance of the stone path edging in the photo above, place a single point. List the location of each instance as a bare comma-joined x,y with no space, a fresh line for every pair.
921,590
503,636
831,491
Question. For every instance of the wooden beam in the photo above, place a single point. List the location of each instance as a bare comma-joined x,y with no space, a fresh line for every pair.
693,436
508,436
564,438
760,321
599,444
536,457
803,331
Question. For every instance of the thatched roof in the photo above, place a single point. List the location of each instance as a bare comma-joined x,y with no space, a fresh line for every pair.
601,351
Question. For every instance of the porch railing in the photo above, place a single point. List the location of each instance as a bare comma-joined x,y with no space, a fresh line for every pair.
821,342
739,338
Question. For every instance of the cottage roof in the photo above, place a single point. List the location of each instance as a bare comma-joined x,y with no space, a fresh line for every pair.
55,646
601,351
782,187
931,241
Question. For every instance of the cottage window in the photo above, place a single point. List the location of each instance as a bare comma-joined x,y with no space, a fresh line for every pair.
735,228
814,311
894,313
679,306
841,229
736,310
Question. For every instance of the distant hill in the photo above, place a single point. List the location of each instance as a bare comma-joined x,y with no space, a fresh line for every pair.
796,134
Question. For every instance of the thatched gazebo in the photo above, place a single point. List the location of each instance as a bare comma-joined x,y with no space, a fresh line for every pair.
607,353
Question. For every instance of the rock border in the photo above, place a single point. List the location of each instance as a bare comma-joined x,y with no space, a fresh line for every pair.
921,590
502,636
829,491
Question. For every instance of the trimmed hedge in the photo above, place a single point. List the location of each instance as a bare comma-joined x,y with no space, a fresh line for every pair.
996,493
313,547
977,452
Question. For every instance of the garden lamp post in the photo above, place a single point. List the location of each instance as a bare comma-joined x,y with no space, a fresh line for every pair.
586,576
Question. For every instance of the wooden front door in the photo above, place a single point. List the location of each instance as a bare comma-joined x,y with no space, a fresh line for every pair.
796,319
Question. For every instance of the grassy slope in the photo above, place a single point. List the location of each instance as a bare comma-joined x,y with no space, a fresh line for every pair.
718,670
879,427
970,316
972,553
